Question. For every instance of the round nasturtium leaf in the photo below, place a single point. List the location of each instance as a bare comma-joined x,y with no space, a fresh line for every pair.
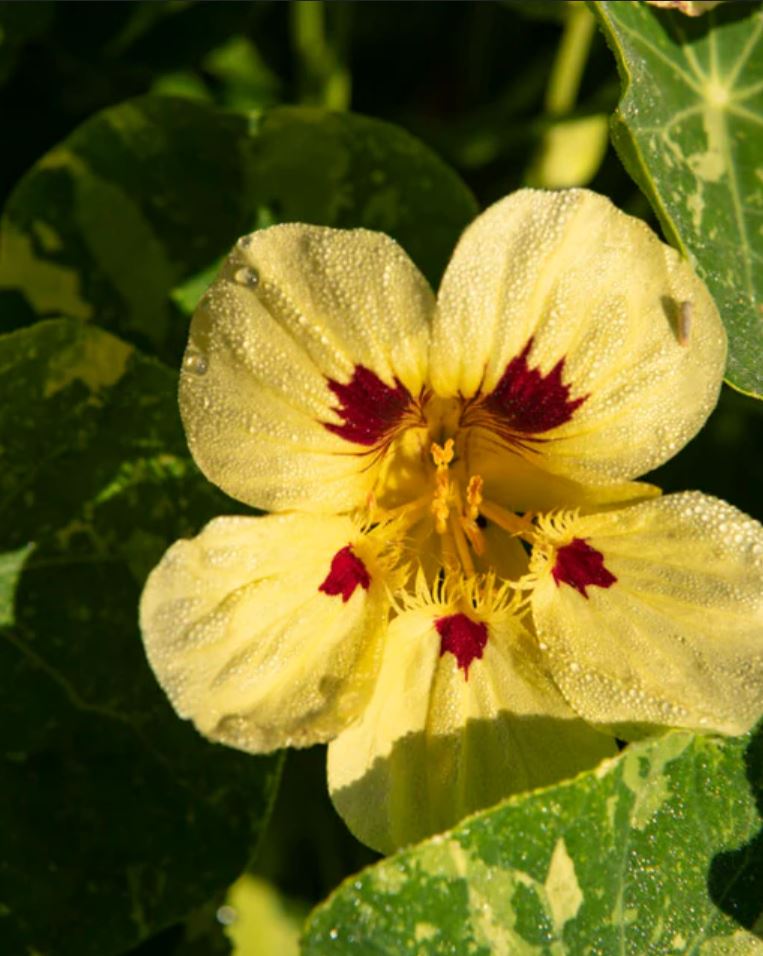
144,196
117,818
658,850
688,130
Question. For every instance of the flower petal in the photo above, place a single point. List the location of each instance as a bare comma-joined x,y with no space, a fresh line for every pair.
585,343
653,616
304,356
265,631
455,723
519,484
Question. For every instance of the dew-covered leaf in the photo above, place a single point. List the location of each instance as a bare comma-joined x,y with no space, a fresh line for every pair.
117,817
145,195
658,851
689,129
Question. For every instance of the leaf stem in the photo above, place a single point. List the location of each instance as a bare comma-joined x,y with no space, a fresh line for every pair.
570,60
323,76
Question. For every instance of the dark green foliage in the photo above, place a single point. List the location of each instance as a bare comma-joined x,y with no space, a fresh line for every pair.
140,141
118,818
144,196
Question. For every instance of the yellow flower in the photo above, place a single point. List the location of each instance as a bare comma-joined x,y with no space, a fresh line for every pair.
692,8
462,588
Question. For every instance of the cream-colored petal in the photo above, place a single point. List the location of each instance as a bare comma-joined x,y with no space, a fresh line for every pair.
547,277
293,308
247,645
520,484
677,639
433,746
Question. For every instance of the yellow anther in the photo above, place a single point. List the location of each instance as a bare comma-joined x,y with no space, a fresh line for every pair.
440,510
441,499
442,454
462,548
474,496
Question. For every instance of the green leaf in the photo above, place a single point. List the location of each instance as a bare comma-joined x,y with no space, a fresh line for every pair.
246,80
650,853
117,818
345,170
688,129
145,195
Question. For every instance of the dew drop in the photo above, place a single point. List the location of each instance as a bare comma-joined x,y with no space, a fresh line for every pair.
195,362
226,915
247,277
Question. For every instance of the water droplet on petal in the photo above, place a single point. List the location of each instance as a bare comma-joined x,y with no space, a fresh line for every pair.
247,277
226,915
195,362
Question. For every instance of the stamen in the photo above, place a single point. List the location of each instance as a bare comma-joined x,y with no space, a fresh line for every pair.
474,496
462,546
451,560
472,511
521,527
474,534
442,454
441,502
460,529
405,515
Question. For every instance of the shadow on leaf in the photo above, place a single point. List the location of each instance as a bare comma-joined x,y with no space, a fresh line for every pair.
427,784
686,30
735,879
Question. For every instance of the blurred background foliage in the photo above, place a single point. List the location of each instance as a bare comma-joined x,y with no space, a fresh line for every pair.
508,93
487,85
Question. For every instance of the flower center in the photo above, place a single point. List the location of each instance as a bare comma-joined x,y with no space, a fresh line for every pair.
455,509
430,453
428,480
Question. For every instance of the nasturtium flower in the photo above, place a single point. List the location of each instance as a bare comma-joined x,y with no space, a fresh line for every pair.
692,8
461,586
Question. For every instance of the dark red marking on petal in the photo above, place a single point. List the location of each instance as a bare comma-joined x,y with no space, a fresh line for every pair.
580,566
526,401
370,408
463,637
347,572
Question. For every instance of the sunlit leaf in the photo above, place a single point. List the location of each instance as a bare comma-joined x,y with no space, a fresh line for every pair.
658,851
688,129
145,195
117,818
